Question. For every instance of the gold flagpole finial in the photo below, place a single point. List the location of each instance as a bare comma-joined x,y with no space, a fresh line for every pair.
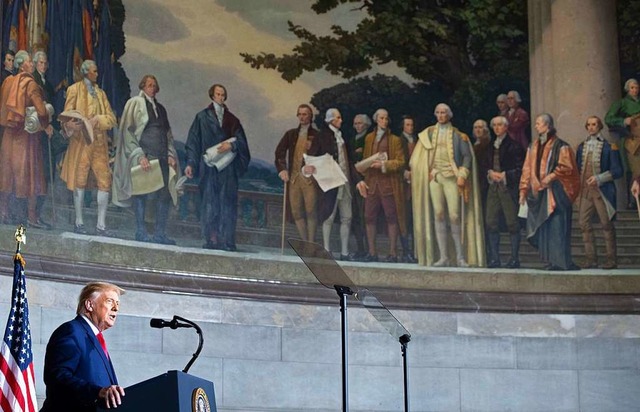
21,237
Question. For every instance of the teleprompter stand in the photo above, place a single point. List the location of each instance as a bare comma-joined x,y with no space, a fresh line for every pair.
321,263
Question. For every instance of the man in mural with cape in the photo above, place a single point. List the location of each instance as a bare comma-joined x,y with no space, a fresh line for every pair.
444,183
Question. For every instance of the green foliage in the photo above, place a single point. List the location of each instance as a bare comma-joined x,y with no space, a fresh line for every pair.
432,40
629,36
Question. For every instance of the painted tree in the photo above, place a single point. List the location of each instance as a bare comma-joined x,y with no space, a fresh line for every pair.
448,41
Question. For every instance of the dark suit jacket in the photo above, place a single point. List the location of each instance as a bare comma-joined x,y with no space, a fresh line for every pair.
327,144
75,369
47,87
511,160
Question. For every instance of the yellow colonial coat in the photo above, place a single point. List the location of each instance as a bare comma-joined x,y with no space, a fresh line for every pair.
423,226
78,98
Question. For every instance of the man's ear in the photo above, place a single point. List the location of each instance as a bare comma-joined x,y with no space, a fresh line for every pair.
88,305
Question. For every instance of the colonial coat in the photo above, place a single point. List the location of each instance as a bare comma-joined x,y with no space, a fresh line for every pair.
550,209
128,151
21,162
78,98
460,152
394,167
519,126
218,189
286,149
607,167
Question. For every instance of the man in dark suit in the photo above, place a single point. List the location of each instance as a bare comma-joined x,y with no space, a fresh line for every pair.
8,57
504,159
78,371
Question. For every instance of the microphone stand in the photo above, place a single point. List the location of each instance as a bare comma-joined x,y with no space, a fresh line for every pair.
201,341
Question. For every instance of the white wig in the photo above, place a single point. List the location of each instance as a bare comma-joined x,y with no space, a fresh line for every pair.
445,107
516,95
375,115
331,114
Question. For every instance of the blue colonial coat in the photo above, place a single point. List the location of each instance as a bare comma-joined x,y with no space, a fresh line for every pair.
607,167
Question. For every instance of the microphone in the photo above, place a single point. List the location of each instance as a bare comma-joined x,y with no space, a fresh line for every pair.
173,324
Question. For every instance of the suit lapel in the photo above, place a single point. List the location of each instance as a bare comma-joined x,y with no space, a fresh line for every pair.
96,344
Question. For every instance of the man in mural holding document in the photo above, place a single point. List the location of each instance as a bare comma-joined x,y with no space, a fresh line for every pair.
217,151
382,187
145,142
338,198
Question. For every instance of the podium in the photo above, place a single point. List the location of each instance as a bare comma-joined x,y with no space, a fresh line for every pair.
173,391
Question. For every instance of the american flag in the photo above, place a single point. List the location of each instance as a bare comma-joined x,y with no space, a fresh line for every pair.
16,360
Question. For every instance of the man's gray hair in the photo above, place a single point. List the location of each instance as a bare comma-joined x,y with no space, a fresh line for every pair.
446,107
38,55
501,98
377,113
21,57
86,65
628,83
547,119
499,119
516,95
365,119
331,114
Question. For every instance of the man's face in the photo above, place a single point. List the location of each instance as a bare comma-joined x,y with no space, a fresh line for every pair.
103,310
42,65
304,116
219,95
150,87
92,74
499,128
27,65
541,126
478,130
592,126
633,90
407,126
441,115
502,105
382,120
359,125
337,120
8,62
511,101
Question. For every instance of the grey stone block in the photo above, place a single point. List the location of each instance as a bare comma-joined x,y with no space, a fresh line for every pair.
326,347
51,318
133,334
485,352
546,353
502,324
608,353
609,391
434,389
432,351
226,341
521,390
252,385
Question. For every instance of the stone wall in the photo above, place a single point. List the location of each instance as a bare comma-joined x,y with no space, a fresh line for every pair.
266,356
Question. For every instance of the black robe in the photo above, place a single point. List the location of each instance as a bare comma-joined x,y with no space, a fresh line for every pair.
218,189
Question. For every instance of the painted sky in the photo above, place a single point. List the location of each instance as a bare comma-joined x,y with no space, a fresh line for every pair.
191,44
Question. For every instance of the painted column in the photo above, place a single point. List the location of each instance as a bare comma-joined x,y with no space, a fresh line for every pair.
574,66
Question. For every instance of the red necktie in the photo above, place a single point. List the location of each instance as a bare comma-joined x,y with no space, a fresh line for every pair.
102,343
